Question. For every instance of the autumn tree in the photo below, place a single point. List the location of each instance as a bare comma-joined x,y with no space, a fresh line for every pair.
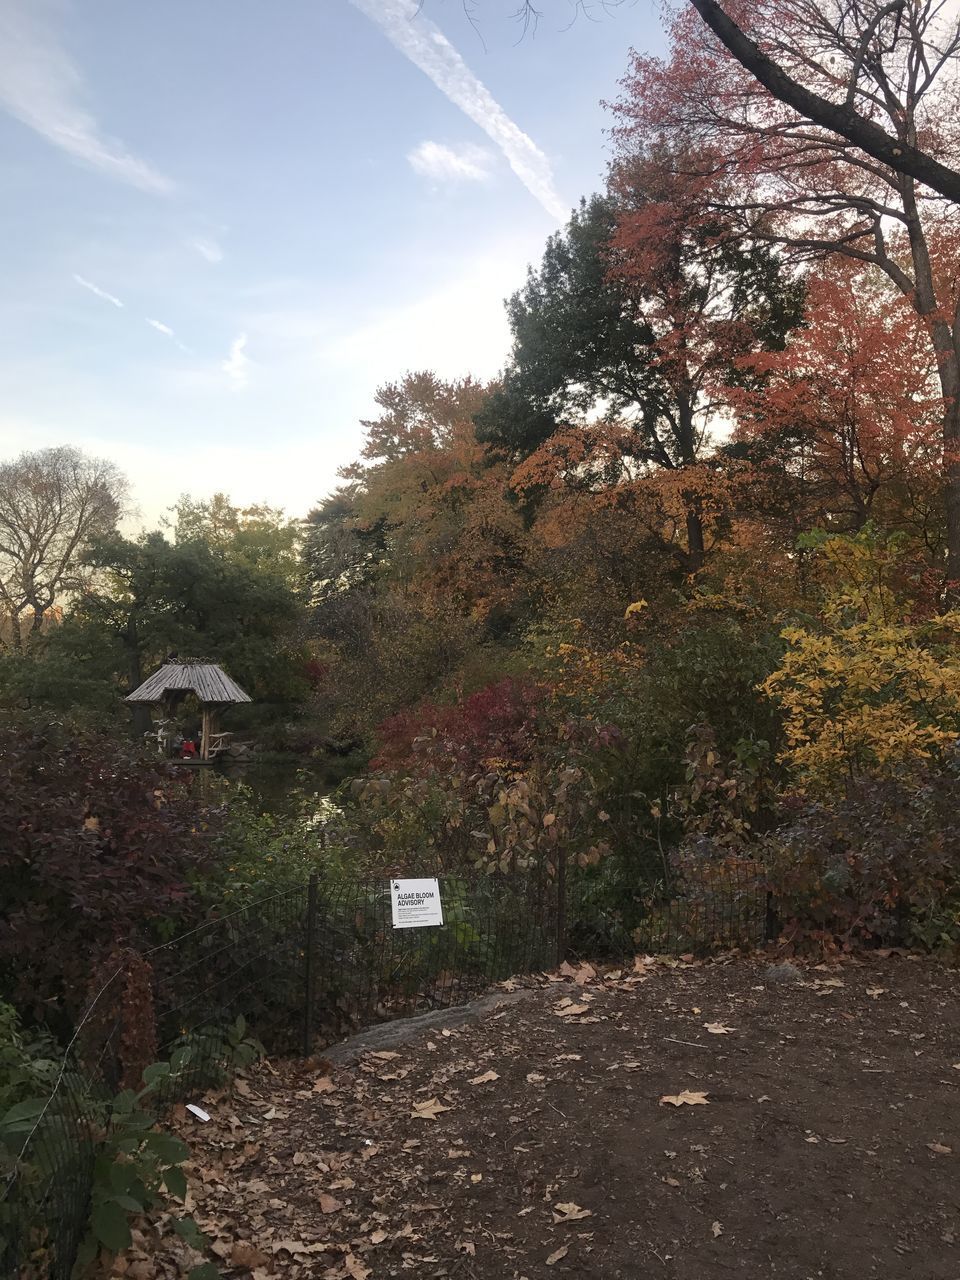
629,334
417,561
845,182
52,503
847,415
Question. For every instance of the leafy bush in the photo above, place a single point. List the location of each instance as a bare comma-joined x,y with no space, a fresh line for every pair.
100,845
498,723
881,865
868,690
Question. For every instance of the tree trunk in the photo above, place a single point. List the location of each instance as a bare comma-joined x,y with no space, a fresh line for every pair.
944,340
141,714
695,547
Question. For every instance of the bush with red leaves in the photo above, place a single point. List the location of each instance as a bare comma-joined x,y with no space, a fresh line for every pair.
99,847
498,723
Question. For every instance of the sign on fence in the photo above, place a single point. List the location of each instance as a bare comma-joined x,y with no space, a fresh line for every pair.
415,903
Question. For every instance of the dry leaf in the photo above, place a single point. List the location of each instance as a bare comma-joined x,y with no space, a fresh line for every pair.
560,1253
378,1237
688,1097
384,1055
534,1077
570,1212
568,1010
324,1085
487,1078
428,1110
671,1182
939,1149
718,1028
328,1204
467,1247
355,1268
717,1230
247,1255
873,992
288,1246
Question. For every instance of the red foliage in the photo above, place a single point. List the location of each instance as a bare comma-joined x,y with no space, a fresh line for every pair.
99,845
496,723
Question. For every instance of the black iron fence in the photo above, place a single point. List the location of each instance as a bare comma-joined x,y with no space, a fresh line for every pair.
305,967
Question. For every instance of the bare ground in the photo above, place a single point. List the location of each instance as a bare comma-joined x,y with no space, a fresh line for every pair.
534,1140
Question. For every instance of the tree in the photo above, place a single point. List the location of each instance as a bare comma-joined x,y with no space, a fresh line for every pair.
52,504
849,411
419,558
848,118
798,183
258,536
152,596
640,310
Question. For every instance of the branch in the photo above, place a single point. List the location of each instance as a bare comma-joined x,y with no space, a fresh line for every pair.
866,135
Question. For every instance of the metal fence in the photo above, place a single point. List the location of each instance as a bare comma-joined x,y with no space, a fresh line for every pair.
307,966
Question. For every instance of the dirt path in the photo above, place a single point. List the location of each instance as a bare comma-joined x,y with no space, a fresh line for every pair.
535,1142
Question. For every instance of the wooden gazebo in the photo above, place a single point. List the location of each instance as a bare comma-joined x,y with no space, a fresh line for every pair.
178,677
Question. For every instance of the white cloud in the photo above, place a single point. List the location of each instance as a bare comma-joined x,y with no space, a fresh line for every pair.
208,249
444,164
167,333
237,362
95,289
42,87
427,47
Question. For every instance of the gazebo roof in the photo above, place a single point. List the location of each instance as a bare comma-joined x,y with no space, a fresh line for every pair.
210,683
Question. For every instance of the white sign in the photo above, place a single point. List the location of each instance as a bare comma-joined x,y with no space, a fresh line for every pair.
415,903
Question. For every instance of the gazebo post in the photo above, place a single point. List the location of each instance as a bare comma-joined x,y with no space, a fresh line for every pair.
205,734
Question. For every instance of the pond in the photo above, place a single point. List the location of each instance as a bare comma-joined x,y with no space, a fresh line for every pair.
280,783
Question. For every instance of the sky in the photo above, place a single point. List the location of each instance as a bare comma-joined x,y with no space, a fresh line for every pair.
227,223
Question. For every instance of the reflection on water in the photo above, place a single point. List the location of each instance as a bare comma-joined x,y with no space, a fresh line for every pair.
278,785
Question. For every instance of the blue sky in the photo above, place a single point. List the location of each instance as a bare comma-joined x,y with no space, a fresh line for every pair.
226,223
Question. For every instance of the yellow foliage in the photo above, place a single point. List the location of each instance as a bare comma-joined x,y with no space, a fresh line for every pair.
871,692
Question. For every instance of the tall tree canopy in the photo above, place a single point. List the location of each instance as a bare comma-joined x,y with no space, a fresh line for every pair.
52,503
792,181
639,313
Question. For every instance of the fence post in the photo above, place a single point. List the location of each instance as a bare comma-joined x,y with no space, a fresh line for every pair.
309,968
771,922
561,906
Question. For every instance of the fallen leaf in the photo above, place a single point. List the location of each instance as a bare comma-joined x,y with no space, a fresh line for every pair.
378,1237
384,1055
717,1230
570,1212
476,1177
939,1149
568,1010
467,1247
428,1110
329,1204
534,1077
687,1097
873,992
718,1028
289,1246
247,1255
671,1182
355,1268
487,1078
324,1085
560,1253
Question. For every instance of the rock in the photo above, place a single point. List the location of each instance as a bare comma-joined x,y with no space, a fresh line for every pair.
782,975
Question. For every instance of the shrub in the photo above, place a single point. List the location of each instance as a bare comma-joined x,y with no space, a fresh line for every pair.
496,724
881,865
99,847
